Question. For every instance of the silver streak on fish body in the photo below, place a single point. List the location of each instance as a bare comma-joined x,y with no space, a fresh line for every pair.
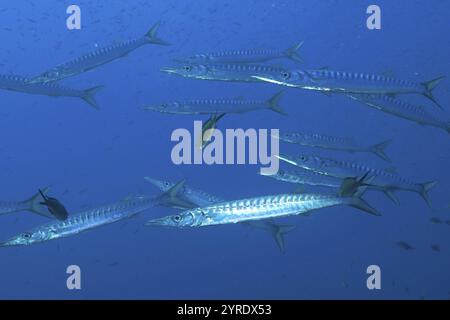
20,84
215,106
386,180
351,82
93,218
258,208
32,205
402,109
334,143
201,199
225,71
98,57
244,56
308,177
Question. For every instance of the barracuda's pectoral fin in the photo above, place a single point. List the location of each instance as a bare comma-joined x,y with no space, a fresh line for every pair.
171,198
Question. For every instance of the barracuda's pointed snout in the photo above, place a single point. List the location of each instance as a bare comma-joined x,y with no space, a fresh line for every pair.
168,69
158,222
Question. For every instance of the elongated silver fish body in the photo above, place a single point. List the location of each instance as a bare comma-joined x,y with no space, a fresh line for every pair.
196,196
307,177
98,57
402,109
21,84
386,179
10,207
84,221
202,199
224,72
333,143
351,82
244,56
252,209
217,106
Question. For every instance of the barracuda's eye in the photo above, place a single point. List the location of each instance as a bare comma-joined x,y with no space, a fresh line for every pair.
177,218
27,235
187,68
303,158
285,75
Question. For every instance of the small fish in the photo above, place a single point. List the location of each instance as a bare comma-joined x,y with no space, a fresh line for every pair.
436,247
244,56
402,109
32,205
208,129
329,81
386,180
334,143
435,220
21,84
224,72
54,206
98,57
404,245
215,106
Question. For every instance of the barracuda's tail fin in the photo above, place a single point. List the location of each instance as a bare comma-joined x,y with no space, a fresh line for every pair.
379,150
292,53
424,189
89,96
273,103
170,198
353,193
152,37
35,206
429,86
278,233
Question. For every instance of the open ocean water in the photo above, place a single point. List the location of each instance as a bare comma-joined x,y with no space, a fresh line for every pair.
91,158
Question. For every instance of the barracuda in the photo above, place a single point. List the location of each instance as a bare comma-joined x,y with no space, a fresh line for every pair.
351,82
32,205
200,198
308,177
225,72
254,209
91,219
20,84
386,180
334,143
244,56
214,106
98,57
402,109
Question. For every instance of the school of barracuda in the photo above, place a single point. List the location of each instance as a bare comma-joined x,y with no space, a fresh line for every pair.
344,182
